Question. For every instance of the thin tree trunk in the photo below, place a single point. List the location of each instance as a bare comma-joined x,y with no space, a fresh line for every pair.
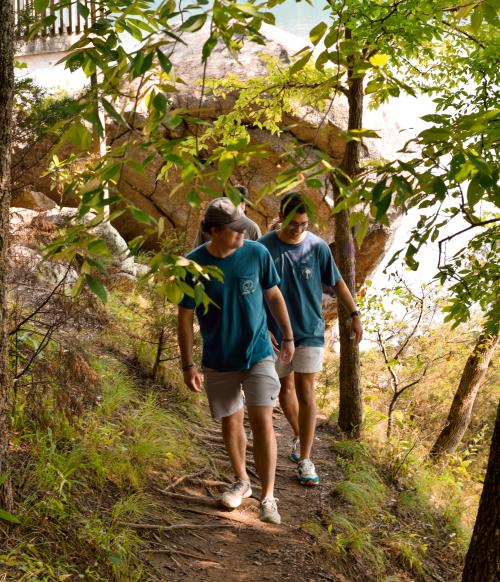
351,403
461,407
6,95
159,351
482,563
389,416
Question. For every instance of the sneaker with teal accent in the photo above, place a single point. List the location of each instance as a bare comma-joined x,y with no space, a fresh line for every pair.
295,454
269,511
306,473
235,493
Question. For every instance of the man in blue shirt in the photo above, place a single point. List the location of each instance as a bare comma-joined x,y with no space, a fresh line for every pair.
305,264
237,350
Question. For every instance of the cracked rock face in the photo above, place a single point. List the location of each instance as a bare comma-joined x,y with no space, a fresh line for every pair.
155,197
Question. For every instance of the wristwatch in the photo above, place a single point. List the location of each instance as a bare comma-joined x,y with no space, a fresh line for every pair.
355,313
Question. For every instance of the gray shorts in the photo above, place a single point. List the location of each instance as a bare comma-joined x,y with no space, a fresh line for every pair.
260,384
306,360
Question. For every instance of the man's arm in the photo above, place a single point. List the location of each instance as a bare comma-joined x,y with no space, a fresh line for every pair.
185,320
277,307
344,295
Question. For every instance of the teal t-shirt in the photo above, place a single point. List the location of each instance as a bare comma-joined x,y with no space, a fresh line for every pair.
235,334
303,269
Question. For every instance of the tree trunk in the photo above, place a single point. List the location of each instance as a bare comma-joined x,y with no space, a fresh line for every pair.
482,563
351,403
159,351
461,407
6,95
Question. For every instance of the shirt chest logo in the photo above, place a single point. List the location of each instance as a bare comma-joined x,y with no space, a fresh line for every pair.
306,272
247,286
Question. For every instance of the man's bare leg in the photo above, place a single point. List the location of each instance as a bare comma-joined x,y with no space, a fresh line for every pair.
264,446
289,403
304,386
235,439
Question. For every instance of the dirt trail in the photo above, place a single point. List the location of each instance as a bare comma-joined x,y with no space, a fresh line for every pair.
236,545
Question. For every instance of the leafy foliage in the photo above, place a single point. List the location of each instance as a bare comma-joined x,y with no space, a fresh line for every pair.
393,47
36,112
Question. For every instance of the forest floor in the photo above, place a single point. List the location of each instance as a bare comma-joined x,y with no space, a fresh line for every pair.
218,544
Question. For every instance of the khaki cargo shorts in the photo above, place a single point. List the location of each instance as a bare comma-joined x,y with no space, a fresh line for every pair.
260,385
306,360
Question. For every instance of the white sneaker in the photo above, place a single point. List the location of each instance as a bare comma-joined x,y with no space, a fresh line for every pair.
235,493
306,473
295,454
269,511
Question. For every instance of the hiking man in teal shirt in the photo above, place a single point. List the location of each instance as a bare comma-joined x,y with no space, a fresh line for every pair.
305,264
237,351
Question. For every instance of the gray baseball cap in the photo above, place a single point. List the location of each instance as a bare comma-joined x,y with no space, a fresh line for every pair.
222,212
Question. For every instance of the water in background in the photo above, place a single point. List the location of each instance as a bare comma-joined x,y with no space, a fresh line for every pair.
299,17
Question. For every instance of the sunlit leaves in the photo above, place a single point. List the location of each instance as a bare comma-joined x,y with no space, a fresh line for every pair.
300,63
379,60
80,135
40,5
194,22
317,33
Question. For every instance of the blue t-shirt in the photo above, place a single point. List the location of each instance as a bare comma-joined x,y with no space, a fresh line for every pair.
303,269
235,333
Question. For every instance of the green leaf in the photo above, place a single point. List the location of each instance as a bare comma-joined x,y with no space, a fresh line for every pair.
194,23
439,187
322,59
474,192
316,33
314,183
193,198
40,5
198,294
209,46
82,10
476,18
80,135
4,476
300,64
97,288
379,60
434,134
112,112
377,190
6,516
173,292
141,216
332,37
410,259
226,166
383,205
92,115
165,62
361,230
98,247
160,103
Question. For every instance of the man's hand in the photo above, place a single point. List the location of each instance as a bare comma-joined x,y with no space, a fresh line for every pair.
287,351
276,346
193,379
356,329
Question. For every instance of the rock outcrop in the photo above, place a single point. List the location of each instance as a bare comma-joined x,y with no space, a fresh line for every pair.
155,196
30,230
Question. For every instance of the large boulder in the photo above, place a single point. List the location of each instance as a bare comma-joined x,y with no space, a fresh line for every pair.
31,230
305,125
